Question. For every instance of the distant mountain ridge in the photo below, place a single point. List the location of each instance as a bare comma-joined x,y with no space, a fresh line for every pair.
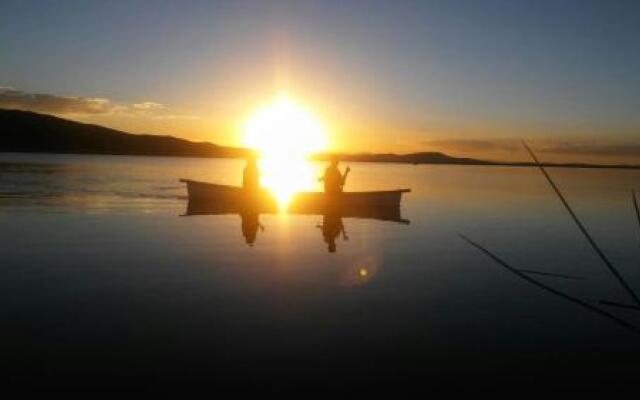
26,131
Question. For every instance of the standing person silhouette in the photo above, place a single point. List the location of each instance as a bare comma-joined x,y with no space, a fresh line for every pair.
333,179
251,174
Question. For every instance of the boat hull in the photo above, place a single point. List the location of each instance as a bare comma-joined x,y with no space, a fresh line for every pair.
209,198
231,197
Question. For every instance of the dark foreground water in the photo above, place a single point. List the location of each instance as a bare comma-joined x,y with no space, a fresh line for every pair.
103,284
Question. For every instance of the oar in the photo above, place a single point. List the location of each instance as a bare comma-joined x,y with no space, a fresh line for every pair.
344,177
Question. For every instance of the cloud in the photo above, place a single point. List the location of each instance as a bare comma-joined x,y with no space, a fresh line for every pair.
469,145
86,106
48,103
593,149
148,106
578,148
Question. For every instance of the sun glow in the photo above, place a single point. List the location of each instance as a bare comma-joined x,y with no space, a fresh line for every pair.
285,133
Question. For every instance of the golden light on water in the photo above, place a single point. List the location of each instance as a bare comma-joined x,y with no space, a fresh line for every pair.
285,133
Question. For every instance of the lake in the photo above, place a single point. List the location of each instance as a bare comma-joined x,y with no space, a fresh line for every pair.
105,281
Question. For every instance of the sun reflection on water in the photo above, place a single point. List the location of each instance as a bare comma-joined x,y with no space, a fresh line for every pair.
286,176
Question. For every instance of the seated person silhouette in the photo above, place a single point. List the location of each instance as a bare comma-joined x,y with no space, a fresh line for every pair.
333,179
251,174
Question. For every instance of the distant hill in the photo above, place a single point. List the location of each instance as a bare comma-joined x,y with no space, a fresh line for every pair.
431,157
25,131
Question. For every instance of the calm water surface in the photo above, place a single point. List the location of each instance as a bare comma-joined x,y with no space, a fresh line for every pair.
102,276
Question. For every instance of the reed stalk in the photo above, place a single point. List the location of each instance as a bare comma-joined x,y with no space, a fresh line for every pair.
582,228
620,305
635,205
530,271
567,297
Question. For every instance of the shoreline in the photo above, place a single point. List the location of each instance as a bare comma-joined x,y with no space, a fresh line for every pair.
351,158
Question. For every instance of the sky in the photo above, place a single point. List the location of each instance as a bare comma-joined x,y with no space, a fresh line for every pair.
471,78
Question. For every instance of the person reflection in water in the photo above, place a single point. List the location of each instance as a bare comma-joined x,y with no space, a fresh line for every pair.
249,214
251,174
250,225
333,179
332,227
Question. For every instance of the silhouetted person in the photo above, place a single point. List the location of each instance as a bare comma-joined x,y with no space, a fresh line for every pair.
251,174
333,179
250,224
332,227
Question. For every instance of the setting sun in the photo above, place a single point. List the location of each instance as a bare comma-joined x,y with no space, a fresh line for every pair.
285,133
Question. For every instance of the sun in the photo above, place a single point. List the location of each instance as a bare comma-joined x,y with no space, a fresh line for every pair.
285,133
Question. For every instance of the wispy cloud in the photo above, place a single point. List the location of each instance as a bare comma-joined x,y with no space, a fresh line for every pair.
473,145
89,106
148,106
48,103
595,148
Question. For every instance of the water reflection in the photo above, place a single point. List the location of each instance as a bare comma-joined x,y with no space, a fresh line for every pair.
556,292
250,224
332,226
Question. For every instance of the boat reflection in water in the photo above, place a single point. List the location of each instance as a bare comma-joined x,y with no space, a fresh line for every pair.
211,199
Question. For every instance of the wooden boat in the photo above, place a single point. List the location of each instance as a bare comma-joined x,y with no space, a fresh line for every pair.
210,198
233,197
